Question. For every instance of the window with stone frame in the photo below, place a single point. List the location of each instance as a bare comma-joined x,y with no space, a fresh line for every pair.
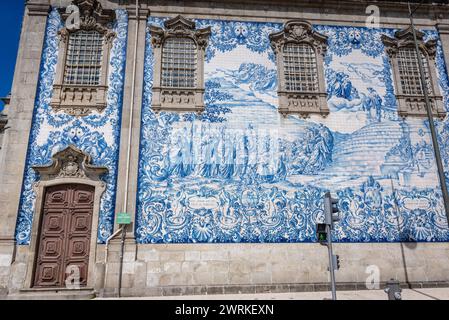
179,63
81,80
409,72
179,54
84,57
300,55
404,61
300,68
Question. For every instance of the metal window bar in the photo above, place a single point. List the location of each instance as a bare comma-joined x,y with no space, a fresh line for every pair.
179,63
300,67
409,72
84,55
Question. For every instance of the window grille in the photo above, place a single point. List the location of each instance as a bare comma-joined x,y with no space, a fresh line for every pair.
179,63
84,55
300,67
409,72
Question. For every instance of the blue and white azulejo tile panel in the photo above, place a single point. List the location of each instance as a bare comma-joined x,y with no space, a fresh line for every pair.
240,172
97,134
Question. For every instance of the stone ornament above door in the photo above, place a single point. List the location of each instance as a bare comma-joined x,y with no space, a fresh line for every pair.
69,166
71,163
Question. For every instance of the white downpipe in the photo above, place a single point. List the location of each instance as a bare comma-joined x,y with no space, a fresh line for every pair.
107,245
106,254
128,158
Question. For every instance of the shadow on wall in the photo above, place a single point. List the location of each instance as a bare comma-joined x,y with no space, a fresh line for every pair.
410,244
407,240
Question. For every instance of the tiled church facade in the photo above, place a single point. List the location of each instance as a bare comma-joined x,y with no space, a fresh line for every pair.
227,200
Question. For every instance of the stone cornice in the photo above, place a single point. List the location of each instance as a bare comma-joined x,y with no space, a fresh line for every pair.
144,13
7,241
443,28
38,9
401,5
393,14
341,4
6,100
298,31
3,123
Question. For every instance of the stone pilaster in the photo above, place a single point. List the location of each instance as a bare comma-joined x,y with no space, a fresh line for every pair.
443,29
132,165
15,139
111,272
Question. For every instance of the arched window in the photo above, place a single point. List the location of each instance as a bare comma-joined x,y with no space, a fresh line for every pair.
179,54
404,61
84,56
179,63
300,68
300,60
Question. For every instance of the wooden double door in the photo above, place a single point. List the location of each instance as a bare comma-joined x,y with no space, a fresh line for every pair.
65,235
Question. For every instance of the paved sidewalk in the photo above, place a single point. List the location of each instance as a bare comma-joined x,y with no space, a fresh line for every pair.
407,294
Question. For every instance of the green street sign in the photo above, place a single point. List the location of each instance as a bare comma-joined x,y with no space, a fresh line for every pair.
123,218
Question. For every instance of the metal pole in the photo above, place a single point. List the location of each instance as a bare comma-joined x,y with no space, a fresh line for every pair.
433,133
331,262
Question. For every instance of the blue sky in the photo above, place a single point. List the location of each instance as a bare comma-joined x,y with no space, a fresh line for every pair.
11,13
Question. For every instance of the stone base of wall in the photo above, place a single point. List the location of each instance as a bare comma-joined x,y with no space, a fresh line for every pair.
259,289
199,269
6,257
159,270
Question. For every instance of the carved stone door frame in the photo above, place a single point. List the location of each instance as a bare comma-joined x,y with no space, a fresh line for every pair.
70,166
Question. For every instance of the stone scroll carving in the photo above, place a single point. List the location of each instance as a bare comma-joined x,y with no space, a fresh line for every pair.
70,163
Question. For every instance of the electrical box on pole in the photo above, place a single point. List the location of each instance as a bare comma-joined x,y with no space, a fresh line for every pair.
336,262
331,210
